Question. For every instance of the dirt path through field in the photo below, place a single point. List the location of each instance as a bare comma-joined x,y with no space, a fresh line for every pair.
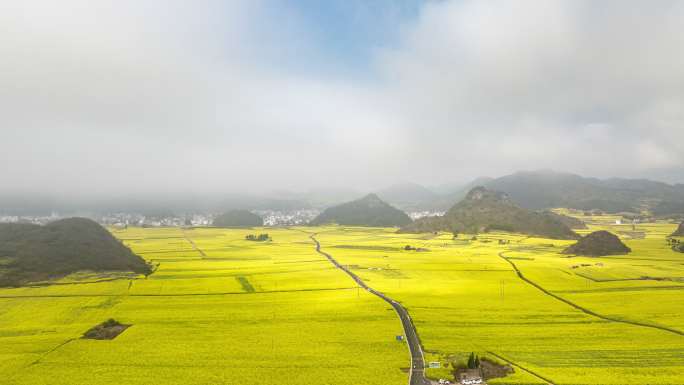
194,246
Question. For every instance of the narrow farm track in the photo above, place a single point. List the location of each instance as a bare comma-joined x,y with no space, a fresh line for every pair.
194,246
583,309
42,356
417,370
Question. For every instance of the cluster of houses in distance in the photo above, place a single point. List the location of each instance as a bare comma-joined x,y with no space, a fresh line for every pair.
271,218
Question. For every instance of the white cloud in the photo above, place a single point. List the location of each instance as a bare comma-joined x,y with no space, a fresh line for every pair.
523,83
174,95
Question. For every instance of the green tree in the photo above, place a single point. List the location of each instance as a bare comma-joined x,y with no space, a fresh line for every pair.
473,361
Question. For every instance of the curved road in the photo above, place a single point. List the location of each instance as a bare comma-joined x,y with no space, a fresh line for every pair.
416,375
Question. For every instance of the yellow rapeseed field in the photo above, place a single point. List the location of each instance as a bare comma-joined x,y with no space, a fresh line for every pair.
223,310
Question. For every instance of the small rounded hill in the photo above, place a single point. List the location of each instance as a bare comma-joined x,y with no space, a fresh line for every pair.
238,218
62,247
597,244
679,232
367,211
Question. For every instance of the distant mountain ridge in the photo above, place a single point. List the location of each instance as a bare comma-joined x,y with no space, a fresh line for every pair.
408,195
484,210
569,221
148,205
32,253
533,190
547,189
367,211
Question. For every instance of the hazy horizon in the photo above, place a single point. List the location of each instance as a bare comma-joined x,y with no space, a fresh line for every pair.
142,98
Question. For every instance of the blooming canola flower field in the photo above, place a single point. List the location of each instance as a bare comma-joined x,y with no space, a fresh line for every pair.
609,320
223,310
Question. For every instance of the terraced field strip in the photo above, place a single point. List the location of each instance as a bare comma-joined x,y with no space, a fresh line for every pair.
171,295
583,309
45,284
417,372
659,279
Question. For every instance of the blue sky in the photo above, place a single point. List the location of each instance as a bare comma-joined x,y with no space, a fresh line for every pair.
345,35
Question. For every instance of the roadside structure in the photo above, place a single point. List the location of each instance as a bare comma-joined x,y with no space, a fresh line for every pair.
469,376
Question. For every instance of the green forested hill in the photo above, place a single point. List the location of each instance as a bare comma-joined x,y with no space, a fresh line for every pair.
597,244
33,252
485,210
680,231
367,211
238,218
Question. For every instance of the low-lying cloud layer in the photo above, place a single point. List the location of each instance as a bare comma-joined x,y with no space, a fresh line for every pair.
174,96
